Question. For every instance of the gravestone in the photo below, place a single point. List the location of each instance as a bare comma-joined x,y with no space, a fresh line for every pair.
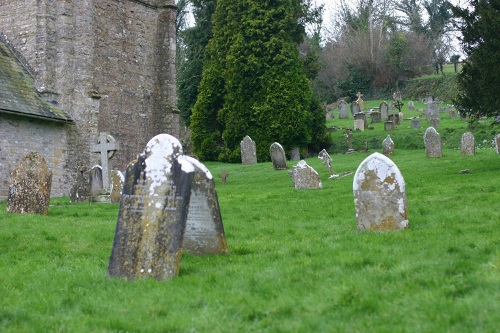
362,116
411,106
401,117
117,180
359,124
29,186
327,160
295,154
467,144
80,191
388,146
497,143
415,122
394,118
248,151
384,110
434,122
106,146
380,195
96,181
343,110
389,126
204,233
360,101
431,112
305,177
355,108
375,116
432,142
278,156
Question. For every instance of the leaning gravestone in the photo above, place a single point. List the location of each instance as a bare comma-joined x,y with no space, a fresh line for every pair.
154,211
467,144
497,143
388,146
278,156
359,124
305,177
432,142
343,110
384,110
117,180
204,232
248,151
379,195
29,186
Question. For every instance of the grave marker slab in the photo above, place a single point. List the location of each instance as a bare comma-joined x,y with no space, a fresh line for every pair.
359,124
305,177
415,123
384,110
327,160
375,116
388,146
29,186
343,110
248,151
432,142
278,156
467,144
434,122
96,181
389,126
80,191
411,106
355,108
117,180
380,195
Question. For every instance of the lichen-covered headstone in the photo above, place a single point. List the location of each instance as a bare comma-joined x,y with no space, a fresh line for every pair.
380,195
432,142
467,144
278,156
388,146
153,211
305,177
343,110
29,186
80,191
117,180
204,233
497,143
384,110
248,151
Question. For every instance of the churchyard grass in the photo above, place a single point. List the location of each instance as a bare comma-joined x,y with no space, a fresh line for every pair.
296,262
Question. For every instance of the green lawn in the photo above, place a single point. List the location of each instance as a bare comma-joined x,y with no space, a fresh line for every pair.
297,261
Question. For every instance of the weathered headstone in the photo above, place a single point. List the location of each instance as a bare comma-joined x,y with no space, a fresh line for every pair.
117,180
497,143
388,146
204,233
327,160
343,110
384,110
411,106
96,181
278,156
355,108
29,186
394,118
389,125
375,116
295,154
432,142
432,111
305,177
415,122
467,144
362,116
248,151
380,195
80,191
153,212
359,124
106,146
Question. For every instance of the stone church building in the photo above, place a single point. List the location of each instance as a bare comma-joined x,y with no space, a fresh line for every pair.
70,69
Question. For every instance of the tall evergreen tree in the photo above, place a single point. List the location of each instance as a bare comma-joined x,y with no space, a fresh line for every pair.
479,79
254,82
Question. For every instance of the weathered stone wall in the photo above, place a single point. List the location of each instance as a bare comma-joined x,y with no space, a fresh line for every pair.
21,135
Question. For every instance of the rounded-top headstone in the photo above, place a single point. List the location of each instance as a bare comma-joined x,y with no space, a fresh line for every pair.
432,142
467,146
380,195
278,156
388,146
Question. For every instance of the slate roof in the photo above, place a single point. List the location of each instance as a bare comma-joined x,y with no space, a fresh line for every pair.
18,94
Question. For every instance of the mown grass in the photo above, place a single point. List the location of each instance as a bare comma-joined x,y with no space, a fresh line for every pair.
297,262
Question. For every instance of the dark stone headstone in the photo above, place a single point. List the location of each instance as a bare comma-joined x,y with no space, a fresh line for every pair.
95,181
355,108
29,186
376,117
80,191
434,122
117,180
278,156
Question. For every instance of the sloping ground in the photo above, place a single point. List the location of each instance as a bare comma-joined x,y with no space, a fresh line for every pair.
443,88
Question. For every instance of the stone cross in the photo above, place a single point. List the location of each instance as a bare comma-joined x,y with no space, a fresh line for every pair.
106,146
359,95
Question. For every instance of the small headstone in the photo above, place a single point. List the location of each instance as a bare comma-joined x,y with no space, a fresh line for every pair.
359,124
305,177
380,195
415,123
411,106
96,182
80,191
467,144
248,151
401,117
295,154
362,116
497,143
327,160
343,110
432,142
278,156
29,186
117,180
389,126
434,122
384,110
388,146
375,116
432,111
355,108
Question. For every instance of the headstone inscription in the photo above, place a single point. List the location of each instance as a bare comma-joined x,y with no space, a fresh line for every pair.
384,110
305,177
29,186
248,151
380,195
388,146
106,146
355,108
497,143
343,110
117,180
432,142
278,156
467,144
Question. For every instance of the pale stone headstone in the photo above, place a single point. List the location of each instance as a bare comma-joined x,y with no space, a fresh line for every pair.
359,124
434,122
389,126
327,160
415,123
278,156
497,143
117,180
380,195
411,106
106,146
384,110
363,117
467,144
248,151
96,181
388,146
343,110
432,142
204,233
360,101
29,186
295,154
355,108
305,177
375,116
401,117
